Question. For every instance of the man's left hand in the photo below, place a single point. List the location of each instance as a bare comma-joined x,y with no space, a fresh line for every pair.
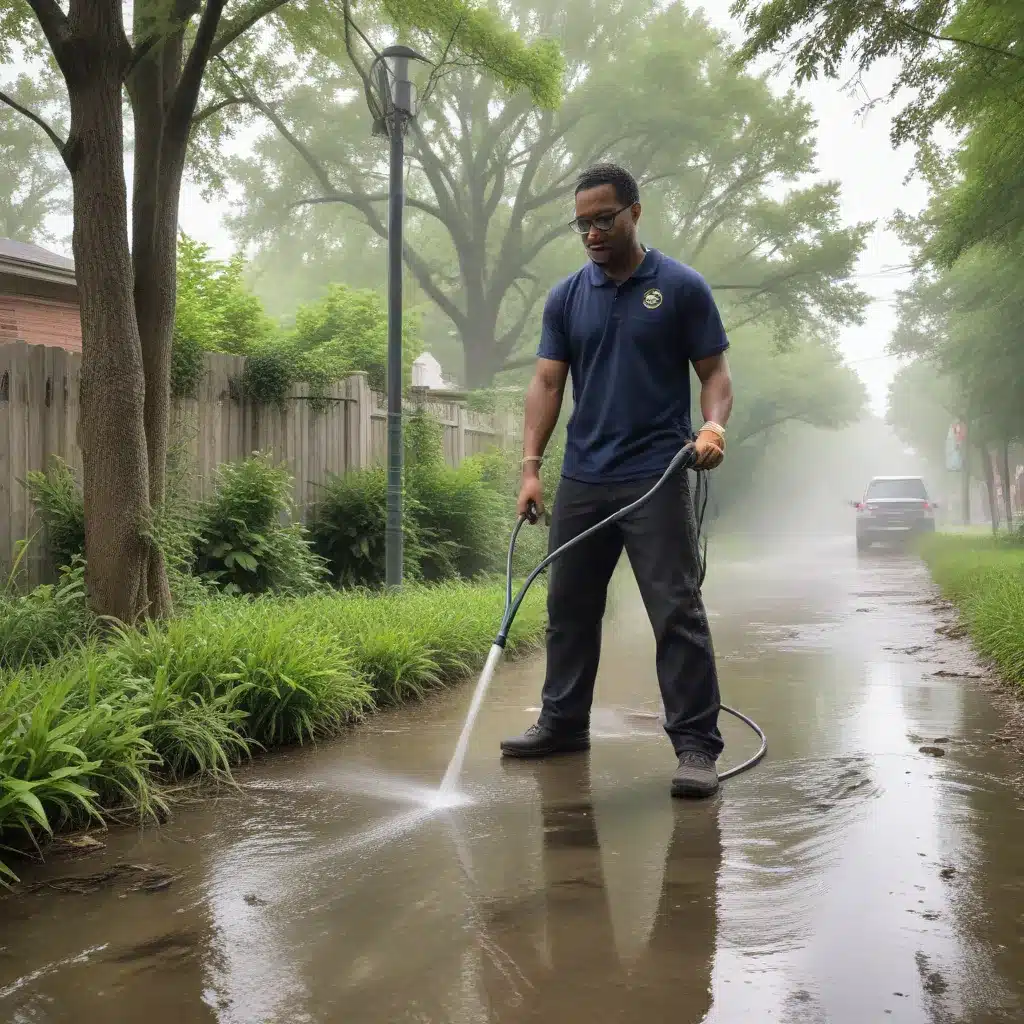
710,448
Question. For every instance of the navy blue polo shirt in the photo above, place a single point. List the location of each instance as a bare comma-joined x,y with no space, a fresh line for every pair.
629,349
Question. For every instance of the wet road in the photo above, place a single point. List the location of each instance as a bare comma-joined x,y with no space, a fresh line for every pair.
849,879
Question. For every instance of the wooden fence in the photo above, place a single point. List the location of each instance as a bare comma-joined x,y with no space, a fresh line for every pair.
39,408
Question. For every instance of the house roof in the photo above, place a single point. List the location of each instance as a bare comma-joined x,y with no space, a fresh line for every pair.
22,259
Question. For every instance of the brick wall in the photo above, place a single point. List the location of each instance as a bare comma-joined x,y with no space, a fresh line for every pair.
40,322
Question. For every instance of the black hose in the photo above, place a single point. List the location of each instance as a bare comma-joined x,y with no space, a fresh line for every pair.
685,459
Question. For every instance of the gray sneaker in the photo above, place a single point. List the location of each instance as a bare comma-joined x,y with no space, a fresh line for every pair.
696,775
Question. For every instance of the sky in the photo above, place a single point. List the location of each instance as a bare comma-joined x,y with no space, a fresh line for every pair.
853,149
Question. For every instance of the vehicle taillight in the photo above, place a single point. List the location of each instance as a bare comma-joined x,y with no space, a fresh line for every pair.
927,504
861,506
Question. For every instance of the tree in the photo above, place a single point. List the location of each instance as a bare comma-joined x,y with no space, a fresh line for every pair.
127,289
34,182
961,62
967,321
807,383
922,404
492,180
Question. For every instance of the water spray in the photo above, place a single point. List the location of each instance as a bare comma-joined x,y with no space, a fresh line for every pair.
684,459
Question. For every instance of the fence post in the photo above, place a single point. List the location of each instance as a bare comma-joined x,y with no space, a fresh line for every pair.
358,437
461,417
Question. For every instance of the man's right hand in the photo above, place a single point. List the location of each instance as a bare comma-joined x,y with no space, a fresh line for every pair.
531,490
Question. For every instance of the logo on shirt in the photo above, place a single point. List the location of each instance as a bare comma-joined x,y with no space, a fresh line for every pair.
652,298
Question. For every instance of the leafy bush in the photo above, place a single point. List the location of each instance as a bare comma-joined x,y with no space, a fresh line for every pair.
107,725
214,312
347,528
455,525
462,522
270,374
347,330
44,623
58,503
247,543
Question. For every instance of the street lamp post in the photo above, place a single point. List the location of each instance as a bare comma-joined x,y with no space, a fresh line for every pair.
397,99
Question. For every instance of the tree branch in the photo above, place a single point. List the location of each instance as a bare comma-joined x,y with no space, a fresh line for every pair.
215,108
54,23
318,169
238,26
356,198
32,116
371,100
936,37
186,95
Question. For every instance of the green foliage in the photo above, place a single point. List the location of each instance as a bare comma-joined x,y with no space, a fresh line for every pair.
109,725
270,375
922,405
346,331
46,622
424,441
959,60
724,158
485,39
33,181
462,522
58,503
347,523
985,580
247,541
455,523
965,320
214,312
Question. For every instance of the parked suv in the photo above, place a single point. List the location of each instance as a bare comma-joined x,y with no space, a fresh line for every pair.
893,507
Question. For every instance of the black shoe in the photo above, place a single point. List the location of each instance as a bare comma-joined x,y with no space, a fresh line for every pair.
696,775
540,741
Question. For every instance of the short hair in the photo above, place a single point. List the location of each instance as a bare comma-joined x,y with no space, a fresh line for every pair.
626,189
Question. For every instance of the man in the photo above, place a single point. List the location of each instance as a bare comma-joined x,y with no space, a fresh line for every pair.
627,326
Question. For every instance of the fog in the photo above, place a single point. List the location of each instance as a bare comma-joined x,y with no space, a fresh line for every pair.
808,477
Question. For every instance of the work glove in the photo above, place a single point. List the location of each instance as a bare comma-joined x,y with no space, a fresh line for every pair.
710,446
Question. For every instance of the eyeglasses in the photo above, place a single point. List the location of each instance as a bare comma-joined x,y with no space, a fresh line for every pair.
603,222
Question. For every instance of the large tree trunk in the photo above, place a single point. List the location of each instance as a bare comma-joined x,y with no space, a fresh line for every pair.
116,474
158,167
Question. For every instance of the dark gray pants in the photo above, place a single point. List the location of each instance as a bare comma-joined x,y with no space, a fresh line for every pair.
660,540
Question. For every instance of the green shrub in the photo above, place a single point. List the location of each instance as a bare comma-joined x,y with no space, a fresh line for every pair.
47,621
269,375
66,748
247,543
347,527
462,522
58,502
423,439
347,330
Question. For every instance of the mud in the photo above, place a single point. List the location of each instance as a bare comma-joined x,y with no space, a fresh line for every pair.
854,877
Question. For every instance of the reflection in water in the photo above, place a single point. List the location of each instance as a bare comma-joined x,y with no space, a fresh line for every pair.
578,973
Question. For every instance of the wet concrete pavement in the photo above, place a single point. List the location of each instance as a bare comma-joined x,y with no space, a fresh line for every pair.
849,879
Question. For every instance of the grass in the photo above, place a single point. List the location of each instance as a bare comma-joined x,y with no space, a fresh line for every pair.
110,723
984,578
